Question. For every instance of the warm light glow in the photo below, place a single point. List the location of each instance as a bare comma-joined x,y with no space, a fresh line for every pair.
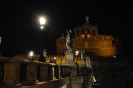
54,57
31,54
82,36
77,52
94,79
42,21
88,36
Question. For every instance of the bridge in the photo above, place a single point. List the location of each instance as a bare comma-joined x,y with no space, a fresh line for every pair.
20,73
106,72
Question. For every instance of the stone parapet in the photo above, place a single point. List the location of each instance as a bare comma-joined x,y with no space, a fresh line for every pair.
31,73
44,73
76,81
15,73
11,73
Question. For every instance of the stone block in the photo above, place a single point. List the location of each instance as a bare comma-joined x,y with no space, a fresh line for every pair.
69,57
44,73
76,79
11,73
31,73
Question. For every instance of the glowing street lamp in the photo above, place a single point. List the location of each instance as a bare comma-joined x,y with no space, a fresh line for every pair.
41,27
31,54
76,53
42,23
42,20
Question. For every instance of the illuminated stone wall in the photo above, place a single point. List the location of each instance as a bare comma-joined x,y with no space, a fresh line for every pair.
88,39
61,45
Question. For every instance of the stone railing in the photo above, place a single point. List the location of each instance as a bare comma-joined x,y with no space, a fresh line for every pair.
16,73
50,58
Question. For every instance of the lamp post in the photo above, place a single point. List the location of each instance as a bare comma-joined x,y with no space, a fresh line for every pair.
42,23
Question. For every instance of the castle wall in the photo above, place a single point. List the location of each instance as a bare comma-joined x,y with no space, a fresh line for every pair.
88,39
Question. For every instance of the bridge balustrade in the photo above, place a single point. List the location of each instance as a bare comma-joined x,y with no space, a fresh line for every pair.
15,72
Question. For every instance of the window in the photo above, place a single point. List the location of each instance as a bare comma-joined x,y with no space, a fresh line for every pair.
82,36
88,36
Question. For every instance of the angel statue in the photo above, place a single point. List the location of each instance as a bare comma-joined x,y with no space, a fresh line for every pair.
44,53
69,41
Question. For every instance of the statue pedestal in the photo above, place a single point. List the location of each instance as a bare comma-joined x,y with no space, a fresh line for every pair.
75,81
70,64
69,60
69,57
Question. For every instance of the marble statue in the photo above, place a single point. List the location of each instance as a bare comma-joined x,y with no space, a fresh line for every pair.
82,54
87,61
44,53
69,41
82,58
87,20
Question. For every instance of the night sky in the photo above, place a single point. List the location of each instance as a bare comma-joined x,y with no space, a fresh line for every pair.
20,32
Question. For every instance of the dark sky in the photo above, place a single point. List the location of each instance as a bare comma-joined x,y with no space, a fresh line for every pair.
20,32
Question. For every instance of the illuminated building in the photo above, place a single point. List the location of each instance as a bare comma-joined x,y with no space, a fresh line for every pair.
87,38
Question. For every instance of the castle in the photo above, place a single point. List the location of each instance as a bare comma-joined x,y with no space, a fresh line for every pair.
88,39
